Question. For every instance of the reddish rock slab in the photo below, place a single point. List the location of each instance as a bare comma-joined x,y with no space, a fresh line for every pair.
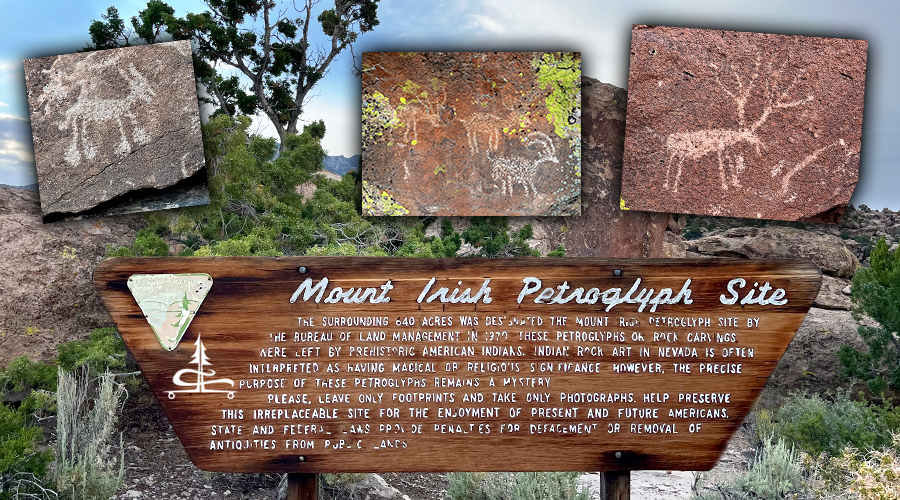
743,124
116,131
470,133
602,229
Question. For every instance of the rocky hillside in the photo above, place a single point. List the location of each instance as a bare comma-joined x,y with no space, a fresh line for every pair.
811,360
341,164
858,229
46,293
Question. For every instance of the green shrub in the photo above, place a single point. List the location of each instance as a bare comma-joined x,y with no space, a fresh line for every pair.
22,465
692,231
871,476
148,244
876,294
515,486
340,485
819,426
22,374
558,252
493,238
103,351
776,473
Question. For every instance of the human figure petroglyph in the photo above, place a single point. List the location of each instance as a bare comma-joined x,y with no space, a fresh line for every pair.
510,170
696,145
90,108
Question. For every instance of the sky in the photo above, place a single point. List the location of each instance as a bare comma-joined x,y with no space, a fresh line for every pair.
600,30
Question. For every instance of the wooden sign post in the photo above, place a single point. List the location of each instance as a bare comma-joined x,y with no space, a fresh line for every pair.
352,364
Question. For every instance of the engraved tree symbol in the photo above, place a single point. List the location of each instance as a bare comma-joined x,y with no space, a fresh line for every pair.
200,386
184,314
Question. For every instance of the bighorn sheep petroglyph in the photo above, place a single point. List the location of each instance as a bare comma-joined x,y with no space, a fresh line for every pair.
89,108
510,170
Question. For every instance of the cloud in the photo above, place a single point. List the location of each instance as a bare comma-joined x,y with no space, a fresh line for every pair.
486,23
3,105
16,151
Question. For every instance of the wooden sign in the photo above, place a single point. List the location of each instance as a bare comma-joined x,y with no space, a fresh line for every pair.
338,364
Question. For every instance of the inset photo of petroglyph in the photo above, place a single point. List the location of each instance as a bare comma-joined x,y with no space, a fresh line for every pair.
471,133
743,124
116,131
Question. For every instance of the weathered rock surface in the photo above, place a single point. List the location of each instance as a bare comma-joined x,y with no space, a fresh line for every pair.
112,122
811,361
674,245
834,294
374,487
827,252
743,124
858,229
46,293
602,229
471,133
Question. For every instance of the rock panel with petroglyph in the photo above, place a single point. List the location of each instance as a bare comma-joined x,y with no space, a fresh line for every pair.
743,124
114,126
471,133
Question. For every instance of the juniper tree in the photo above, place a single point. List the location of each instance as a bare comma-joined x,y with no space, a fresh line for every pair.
876,294
270,46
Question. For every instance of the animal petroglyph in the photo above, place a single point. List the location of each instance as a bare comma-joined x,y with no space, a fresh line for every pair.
410,114
490,124
511,170
110,122
696,145
90,110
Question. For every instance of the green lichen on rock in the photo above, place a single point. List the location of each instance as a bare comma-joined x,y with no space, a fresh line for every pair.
561,73
411,87
378,202
377,114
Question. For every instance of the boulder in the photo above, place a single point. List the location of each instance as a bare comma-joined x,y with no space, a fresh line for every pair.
673,245
811,362
831,294
740,124
374,487
45,275
116,131
826,251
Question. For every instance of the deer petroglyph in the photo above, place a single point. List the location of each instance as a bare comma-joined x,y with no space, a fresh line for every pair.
695,145
410,114
489,124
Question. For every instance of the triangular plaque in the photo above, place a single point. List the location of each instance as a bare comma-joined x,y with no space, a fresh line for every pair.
169,302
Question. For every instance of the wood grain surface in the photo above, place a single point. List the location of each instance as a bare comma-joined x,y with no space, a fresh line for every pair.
534,386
